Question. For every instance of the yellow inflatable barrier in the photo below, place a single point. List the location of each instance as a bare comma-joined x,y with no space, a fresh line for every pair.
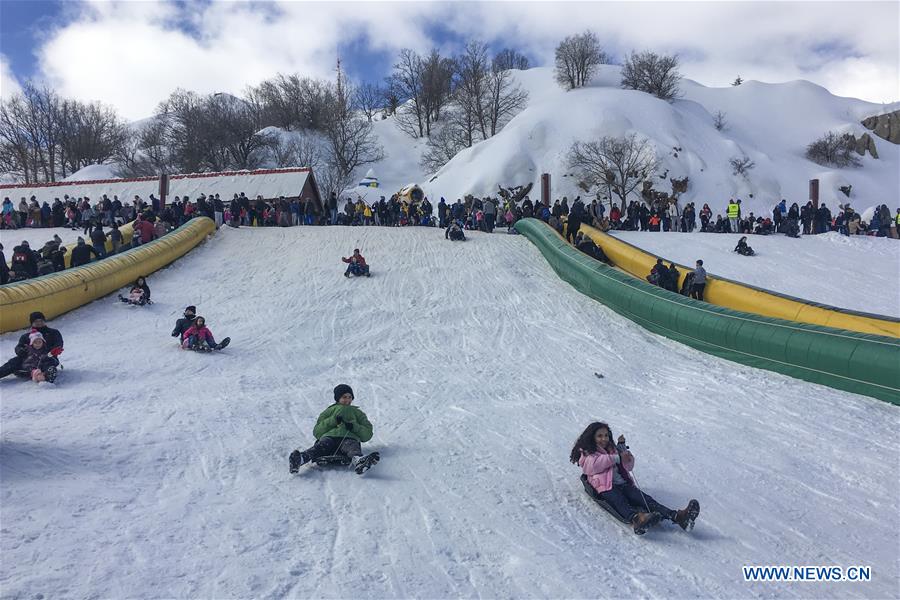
61,292
746,298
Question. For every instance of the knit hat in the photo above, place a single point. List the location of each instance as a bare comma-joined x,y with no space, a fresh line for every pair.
341,389
35,335
35,316
191,308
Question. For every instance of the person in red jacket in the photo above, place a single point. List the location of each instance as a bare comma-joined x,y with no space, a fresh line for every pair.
356,265
143,231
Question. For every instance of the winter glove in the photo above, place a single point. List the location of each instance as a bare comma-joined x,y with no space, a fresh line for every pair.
21,352
348,425
338,419
56,351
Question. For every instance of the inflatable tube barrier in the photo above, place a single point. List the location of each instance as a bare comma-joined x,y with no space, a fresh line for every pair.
58,293
746,298
846,360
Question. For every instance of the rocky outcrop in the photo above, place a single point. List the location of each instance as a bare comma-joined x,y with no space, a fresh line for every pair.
886,126
863,144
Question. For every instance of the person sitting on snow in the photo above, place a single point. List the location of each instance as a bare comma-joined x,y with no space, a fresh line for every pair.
357,265
608,469
199,337
182,325
454,233
340,430
139,294
742,247
52,339
38,364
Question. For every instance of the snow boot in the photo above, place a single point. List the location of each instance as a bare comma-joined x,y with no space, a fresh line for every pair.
297,460
346,274
364,463
223,343
685,517
644,521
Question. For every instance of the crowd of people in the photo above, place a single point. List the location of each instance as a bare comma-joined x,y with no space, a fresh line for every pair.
665,215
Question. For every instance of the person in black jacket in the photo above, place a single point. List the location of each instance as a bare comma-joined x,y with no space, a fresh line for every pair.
81,253
98,241
4,268
182,325
139,293
24,262
52,337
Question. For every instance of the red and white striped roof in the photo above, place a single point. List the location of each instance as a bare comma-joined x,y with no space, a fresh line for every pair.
268,183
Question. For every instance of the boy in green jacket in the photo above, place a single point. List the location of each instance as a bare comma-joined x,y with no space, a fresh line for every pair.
339,431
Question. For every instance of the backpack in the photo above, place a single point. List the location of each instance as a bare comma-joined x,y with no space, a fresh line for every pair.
20,261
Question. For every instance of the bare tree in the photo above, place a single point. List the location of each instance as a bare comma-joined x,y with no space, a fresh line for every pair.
619,164
304,149
445,142
351,138
833,150
427,85
504,99
406,80
472,91
508,59
741,165
719,120
577,59
390,97
652,73
90,134
369,98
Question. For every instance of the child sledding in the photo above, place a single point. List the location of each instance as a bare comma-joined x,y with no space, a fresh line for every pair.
38,364
743,248
340,430
608,480
356,265
139,295
193,333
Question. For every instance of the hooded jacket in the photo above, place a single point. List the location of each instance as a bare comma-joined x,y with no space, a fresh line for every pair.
327,425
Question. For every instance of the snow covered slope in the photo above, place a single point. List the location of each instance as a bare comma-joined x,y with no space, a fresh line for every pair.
770,123
860,272
153,472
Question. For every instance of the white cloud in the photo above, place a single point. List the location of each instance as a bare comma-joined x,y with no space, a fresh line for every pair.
9,86
133,54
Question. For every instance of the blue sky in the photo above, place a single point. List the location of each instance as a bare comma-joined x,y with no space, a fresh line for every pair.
132,54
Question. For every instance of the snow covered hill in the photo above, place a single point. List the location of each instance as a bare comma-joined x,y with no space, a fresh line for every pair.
770,123
153,472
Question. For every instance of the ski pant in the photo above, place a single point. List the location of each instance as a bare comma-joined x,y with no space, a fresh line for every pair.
697,291
733,224
330,446
572,228
489,222
11,366
358,270
194,340
623,498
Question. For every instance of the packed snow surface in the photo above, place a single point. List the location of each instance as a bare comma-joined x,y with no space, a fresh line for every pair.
859,273
148,471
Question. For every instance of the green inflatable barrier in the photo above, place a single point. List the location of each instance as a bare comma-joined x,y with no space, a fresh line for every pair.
855,362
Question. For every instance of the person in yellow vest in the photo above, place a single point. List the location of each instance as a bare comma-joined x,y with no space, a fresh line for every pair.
734,213
367,215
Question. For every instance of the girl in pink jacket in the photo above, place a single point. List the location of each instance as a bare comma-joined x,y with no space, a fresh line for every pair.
608,468
198,336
